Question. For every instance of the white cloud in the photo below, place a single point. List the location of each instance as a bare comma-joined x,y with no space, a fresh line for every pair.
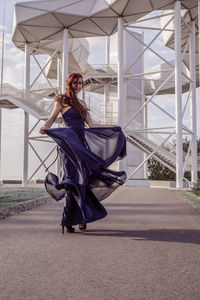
4,27
97,50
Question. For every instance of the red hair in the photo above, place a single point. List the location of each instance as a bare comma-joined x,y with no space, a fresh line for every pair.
69,97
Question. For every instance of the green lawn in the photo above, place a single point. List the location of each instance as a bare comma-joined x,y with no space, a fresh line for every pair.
191,198
10,196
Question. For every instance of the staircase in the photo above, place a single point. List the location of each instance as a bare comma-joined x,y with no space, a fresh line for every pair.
162,155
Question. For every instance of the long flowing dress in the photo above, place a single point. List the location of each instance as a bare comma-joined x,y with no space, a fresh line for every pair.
86,154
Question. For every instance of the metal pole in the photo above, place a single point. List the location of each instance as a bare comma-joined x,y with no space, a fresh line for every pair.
26,115
59,83
193,104
145,109
145,123
178,96
2,66
121,97
199,34
0,144
107,56
106,98
59,73
120,74
106,85
125,82
2,47
64,59
123,164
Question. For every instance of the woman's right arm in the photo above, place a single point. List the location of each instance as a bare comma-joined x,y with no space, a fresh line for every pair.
56,110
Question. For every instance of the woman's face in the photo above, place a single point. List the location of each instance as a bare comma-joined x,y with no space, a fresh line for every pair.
77,84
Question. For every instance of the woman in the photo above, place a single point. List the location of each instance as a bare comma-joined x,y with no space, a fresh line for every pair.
85,154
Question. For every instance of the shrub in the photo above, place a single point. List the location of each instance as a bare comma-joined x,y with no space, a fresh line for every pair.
196,188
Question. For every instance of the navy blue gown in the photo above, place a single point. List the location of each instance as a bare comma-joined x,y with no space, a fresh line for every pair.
86,154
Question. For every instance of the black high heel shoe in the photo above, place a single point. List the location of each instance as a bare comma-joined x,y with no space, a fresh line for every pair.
82,226
70,229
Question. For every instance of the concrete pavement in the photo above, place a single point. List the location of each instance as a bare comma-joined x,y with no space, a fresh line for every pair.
148,247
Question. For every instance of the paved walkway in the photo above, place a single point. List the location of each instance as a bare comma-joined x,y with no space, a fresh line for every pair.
148,247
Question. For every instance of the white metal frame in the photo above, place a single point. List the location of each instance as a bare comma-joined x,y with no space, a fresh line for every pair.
26,115
193,103
29,87
123,77
178,96
120,74
179,128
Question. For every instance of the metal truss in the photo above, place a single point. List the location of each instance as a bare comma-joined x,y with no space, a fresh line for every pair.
123,81
180,129
30,136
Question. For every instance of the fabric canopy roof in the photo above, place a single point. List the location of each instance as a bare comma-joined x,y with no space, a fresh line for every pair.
43,21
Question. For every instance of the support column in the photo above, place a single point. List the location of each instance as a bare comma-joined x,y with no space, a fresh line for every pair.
106,85
26,115
178,96
0,145
2,71
107,57
193,104
124,82
120,74
59,84
121,90
64,59
59,73
145,123
106,99
199,35
144,117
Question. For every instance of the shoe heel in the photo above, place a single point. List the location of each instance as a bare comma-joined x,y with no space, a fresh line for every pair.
82,226
63,229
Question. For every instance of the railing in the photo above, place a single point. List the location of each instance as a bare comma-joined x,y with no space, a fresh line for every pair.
149,136
107,68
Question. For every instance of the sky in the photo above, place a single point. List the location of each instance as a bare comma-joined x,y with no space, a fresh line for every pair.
12,120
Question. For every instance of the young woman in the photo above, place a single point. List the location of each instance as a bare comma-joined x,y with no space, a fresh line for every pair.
86,154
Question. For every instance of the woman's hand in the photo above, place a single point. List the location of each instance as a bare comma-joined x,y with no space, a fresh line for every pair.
42,130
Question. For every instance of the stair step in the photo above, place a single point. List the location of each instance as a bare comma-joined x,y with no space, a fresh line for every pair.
143,146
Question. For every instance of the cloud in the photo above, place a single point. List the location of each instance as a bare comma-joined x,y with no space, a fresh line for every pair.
4,27
97,50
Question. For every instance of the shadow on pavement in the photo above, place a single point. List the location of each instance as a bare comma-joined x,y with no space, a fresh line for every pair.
136,204
166,235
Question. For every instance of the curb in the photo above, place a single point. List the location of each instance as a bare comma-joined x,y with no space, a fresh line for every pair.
21,207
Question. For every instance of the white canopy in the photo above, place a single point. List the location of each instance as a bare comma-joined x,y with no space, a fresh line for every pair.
37,22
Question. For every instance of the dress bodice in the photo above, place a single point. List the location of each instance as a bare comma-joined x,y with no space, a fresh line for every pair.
72,118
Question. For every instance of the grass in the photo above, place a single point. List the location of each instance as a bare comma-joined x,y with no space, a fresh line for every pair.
12,196
192,198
